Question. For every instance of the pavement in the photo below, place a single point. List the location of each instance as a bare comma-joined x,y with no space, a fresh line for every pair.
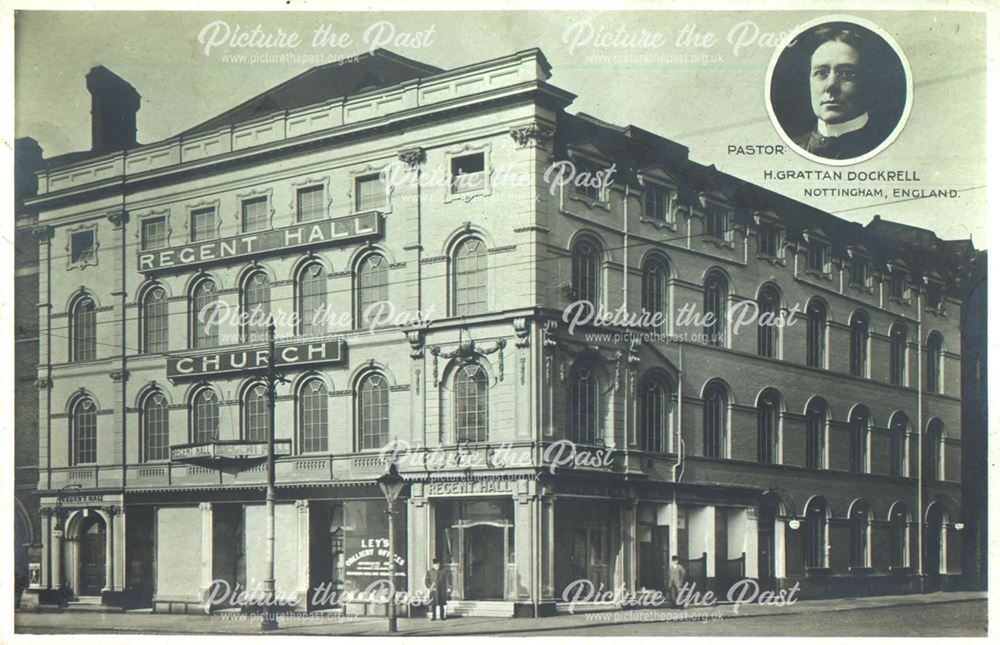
940,613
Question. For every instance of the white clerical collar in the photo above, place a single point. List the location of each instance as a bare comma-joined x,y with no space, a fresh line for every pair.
840,129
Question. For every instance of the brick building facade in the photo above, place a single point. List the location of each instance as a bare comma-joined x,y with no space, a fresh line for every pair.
825,451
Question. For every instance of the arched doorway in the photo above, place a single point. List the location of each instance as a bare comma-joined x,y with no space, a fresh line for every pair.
92,537
935,545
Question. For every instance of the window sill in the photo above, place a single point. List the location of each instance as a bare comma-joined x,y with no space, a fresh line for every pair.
901,571
818,572
772,259
718,242
861,571
821,275
658,223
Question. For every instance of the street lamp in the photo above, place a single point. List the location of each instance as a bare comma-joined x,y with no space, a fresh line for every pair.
269,621
391,485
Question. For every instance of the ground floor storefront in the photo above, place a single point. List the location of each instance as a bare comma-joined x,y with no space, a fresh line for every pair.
517,546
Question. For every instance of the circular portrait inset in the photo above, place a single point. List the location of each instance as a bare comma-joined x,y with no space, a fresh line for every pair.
839,90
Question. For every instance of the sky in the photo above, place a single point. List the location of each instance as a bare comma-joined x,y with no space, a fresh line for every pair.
695,77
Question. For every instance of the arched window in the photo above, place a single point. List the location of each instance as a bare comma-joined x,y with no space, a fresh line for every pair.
860,429
583,405
816,334
372,287
373,412
469,281
859,344
768,305
313,416
899,530
204,416
897,354
654,293
817,514
816,433
935,450
587,272
255,414
860,535
898,429
311,299
83,330
768,427
471,404
83,431
654,406
155,330
203,299
155,425
256,307
934,357
716,420
716,295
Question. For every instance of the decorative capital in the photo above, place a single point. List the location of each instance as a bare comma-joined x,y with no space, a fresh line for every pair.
111,510
118,219
206,507
413,157
302,505
43,233
46,511
530,135
120,376
44,383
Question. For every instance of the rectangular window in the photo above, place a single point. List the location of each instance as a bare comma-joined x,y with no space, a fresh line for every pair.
898,285
817,257
587,181
935,296
154,233
82,246
369,193
468,172
656,203
203,225
309,203
859,272
254,214
767,241
717,223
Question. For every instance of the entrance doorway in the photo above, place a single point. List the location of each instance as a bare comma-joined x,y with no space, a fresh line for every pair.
767,516
93,536
935,562
475,542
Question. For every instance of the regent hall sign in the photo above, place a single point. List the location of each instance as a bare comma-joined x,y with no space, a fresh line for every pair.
246,360
299,236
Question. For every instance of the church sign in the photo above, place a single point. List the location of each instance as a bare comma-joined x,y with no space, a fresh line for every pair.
242,361
300,236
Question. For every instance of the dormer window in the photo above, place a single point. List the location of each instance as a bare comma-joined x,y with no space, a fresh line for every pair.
656,203
859,271
768,240
898,285
588,179
717,222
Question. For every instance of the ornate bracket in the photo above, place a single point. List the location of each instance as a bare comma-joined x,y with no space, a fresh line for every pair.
530,135
416,338
42,233
413,157
521,329
466,351
118,219
120,376
44,383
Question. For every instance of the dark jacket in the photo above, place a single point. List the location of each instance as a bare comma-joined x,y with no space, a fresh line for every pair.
847,146
439,584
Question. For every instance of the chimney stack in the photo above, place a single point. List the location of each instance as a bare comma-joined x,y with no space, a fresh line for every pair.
113,105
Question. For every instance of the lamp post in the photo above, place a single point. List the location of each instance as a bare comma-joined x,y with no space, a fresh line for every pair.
391,485
270,621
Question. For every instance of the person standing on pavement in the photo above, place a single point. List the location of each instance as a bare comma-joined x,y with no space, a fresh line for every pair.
436,582
677,578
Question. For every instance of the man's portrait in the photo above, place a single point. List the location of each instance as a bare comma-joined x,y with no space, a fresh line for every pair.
838,92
